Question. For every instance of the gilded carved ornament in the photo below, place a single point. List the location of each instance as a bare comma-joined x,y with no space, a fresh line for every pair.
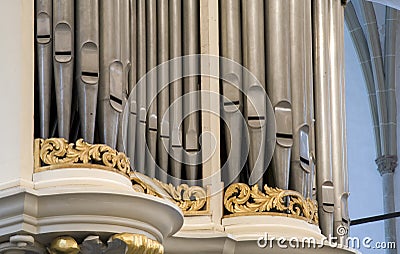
134,244
64,245
55,153
241,199
192,200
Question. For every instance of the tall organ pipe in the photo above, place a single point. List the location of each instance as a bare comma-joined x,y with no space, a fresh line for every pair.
126,65
300,161
63,53
87,65
191,101
133,110
345,178
310,94
111,67
151,87
133,39
254,88
278,86
232,102
44,61
176,111
337,104
163,95
140,147
325,191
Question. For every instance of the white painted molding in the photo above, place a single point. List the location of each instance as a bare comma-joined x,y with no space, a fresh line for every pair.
252,227
227,245
78,177
78,211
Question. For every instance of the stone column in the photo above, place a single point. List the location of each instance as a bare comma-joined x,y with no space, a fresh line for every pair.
386,167
397,173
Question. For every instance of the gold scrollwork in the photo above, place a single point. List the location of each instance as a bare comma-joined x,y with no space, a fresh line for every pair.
144,184
240,199
64,245
190,199
135,244
139,244
57,152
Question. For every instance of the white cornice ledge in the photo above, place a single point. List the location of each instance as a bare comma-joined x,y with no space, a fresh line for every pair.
228,245
79,211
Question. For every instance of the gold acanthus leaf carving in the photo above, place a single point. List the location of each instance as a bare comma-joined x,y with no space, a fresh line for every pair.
141,183
188,198
139,244
64,245
135,244
239,199
57,151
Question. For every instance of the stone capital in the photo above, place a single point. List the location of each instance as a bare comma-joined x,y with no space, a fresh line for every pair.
386,164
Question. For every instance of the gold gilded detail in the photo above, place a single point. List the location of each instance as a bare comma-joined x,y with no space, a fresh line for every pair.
192,200
144,184
63,245
188,198
240,199
139,244
57,153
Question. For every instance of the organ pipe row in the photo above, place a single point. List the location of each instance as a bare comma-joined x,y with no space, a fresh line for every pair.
270,37
100,51
295,50
94,52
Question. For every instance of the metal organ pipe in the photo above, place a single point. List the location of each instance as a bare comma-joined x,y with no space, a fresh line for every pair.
133,109
344,180
63,60
87,64
309,86
337,103
191,101
44,61
232,104
163,95
278,86
111,68
300,157
151,87
176,112
140,147
126,65
325,190
255,103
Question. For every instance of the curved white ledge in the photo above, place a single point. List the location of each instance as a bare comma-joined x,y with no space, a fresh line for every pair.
240,235
252,227
81,177
226,244
81,201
